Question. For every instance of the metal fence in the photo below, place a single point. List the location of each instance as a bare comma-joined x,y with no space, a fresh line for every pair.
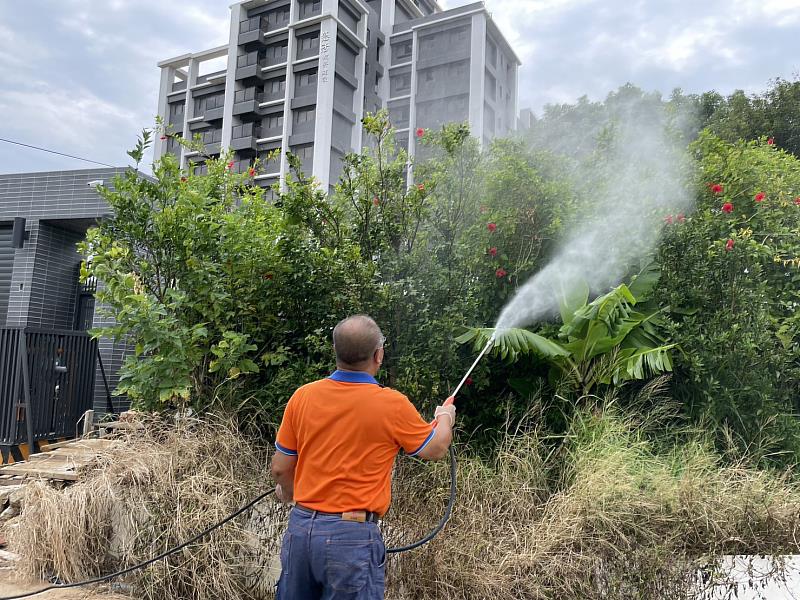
46,383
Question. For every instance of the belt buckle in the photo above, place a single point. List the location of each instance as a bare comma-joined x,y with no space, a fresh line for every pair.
357,516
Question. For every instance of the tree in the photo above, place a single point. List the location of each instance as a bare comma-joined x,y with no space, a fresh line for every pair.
227,298
731,273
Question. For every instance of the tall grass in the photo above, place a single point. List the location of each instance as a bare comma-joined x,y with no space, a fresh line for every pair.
613,509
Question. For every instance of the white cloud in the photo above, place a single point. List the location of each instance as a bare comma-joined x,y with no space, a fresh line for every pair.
75,119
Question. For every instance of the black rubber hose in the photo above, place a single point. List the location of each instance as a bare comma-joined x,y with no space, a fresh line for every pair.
432,534
148,562
445,518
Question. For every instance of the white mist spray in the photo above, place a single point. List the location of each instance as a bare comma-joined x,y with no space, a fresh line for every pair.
645,180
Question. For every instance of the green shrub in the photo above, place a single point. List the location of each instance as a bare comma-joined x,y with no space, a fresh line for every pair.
732,280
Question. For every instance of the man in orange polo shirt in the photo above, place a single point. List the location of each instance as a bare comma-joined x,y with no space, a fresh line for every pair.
335,449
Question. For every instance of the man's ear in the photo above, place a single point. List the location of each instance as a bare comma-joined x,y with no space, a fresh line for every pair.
379,354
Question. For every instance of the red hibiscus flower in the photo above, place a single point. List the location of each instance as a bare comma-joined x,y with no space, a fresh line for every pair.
375,201
681,218
797,201
760,196
668,219
771,141
163,137
491,227
492,251
716,188
500,273
421,187
468,381
230,165
251,171
727,207
729,246
420,132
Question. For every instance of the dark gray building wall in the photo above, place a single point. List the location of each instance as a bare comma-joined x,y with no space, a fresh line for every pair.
59,207
54,281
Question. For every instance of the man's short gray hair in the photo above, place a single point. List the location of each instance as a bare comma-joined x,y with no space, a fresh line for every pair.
356,338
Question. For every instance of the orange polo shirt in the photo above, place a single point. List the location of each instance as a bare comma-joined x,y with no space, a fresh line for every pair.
346,431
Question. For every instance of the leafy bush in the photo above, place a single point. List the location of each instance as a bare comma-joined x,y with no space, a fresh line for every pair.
731,275
226,297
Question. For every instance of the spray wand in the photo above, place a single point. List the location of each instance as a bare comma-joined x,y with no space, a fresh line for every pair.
452,497
486,349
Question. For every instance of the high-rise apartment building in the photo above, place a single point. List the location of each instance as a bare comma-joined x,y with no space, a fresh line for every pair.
298,75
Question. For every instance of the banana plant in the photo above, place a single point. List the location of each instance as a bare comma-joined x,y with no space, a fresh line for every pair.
605,341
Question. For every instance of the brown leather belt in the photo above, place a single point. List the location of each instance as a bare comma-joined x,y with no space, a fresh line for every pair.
358,516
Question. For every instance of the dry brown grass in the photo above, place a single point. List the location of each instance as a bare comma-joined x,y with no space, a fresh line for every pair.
164,485
604,513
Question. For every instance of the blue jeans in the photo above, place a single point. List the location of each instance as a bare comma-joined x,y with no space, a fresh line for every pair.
325,558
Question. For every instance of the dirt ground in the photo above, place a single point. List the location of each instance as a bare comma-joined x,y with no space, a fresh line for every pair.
9,585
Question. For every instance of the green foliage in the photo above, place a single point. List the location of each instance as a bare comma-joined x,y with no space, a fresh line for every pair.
733,280
772,113
448,249
229,299
215,287
601,342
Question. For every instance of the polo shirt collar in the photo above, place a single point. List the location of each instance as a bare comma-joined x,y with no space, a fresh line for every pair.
353,377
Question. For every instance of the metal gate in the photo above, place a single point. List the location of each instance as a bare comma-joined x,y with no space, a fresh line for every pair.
6,267
46,383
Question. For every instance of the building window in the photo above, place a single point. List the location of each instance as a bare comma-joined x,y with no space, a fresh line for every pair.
310,8
249,25
245,95
401,52
491,86
211,136
304,115
273,121
247,60
491,50
176,110
200,169
276,53
275,86
307,79
304,152
309,42
242,131
269,160
278,18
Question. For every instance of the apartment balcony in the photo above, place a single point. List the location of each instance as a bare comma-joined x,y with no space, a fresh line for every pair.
242,166
212,141
276,55
247,101
213,114
249,65
252,30
245,136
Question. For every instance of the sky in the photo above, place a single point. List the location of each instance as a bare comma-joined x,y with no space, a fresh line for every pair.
80,76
